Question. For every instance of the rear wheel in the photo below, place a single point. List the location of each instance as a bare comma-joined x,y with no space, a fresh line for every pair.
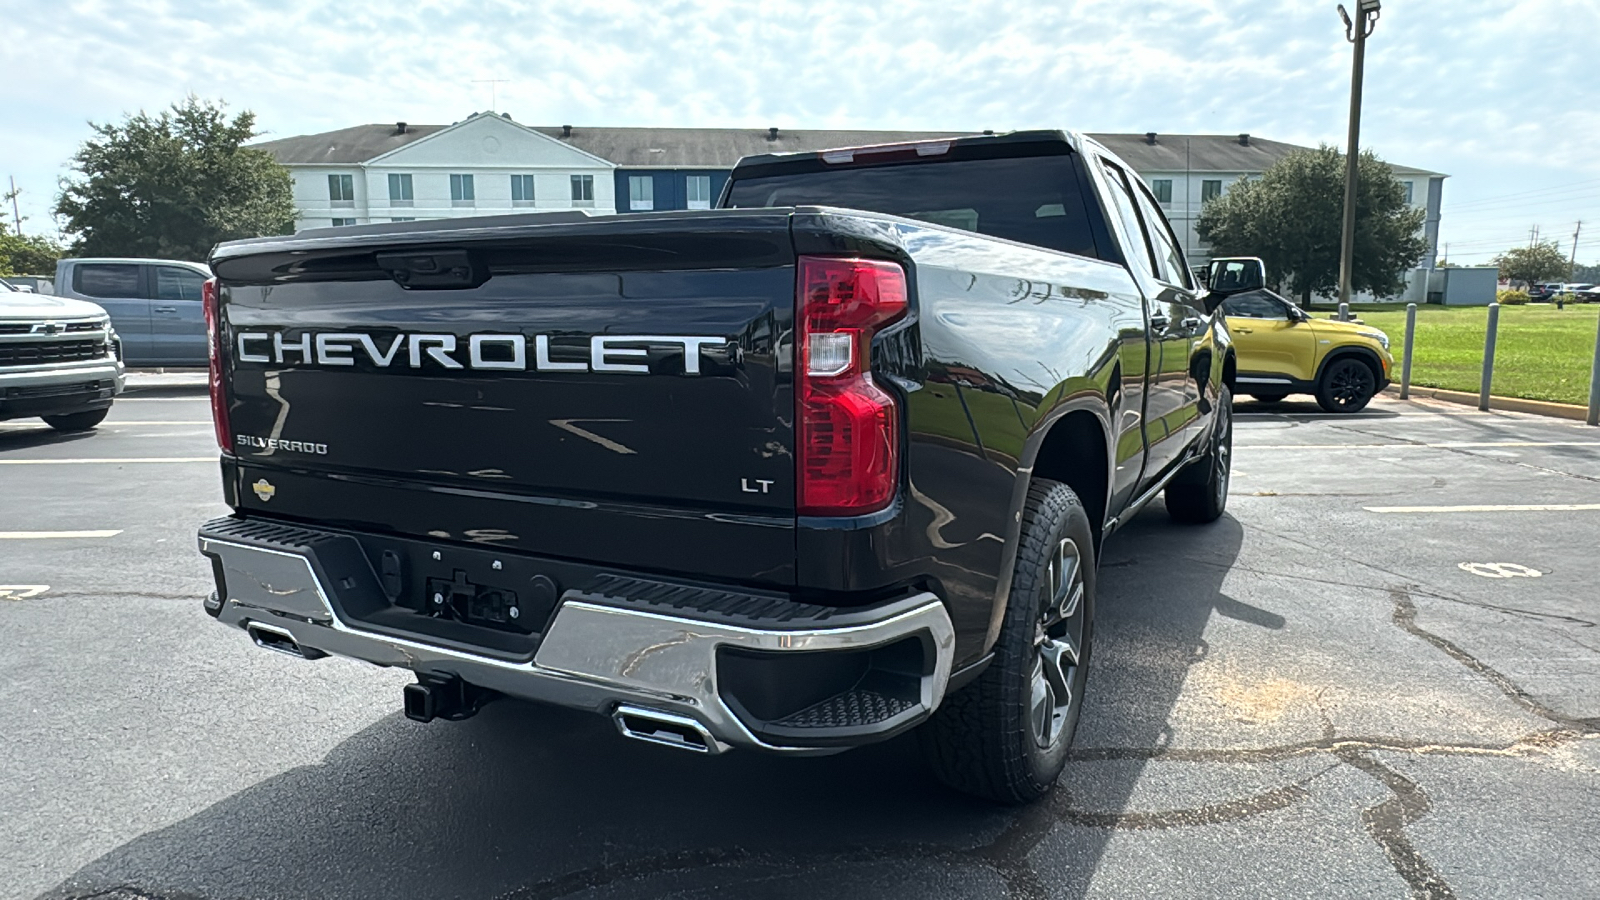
1199,494
1005,736
1347,385
77,421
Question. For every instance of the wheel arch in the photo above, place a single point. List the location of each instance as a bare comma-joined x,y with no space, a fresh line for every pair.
1072,446
1364,354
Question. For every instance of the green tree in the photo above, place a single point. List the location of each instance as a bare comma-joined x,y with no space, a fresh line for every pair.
22,254
1293,218
1543,261
173,185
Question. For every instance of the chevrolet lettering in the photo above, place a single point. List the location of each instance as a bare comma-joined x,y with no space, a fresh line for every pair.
909,390
628,354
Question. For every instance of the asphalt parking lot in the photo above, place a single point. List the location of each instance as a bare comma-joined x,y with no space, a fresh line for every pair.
1378,676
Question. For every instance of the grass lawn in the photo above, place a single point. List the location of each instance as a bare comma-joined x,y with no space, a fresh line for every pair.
1543,353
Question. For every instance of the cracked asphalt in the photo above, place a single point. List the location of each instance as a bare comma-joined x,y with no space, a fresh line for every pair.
1308,699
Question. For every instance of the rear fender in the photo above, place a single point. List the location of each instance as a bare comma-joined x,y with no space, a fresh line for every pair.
1088,398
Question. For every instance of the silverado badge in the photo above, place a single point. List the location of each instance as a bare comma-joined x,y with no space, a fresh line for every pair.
264,490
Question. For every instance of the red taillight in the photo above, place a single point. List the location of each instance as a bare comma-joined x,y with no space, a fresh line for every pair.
848,428
219,404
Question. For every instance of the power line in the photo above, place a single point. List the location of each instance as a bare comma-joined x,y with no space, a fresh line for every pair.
1552,190
1588,196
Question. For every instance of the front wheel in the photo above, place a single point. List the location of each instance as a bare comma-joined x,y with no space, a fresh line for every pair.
1347,385
1005,736
82,421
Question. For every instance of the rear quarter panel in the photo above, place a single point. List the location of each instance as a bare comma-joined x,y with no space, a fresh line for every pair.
1004,339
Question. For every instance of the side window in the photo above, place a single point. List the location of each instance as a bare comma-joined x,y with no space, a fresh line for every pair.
110,280
1168,259
1123,201
173,283
1254,307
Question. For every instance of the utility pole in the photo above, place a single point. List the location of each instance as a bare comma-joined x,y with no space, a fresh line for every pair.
1572,264
1355,32
16,215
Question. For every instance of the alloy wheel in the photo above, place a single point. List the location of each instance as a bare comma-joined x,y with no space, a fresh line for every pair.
1058,644
1350,383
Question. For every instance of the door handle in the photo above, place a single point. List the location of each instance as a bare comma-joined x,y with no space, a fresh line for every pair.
170,309
1159,322
1245,330
1191,322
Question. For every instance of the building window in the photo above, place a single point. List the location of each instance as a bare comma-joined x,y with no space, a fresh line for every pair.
641,192
461,192
699,191
400,190
582,190
1410,189
404,219
1210,189
341,190
341,222
1162,188
522,190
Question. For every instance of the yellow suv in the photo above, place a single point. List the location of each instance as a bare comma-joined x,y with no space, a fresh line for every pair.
1283,351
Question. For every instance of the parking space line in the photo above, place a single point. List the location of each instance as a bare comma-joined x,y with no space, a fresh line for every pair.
49,535
1525,507
109,424
1446,445
118,461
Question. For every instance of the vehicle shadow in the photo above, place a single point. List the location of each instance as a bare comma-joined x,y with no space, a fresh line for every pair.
1307,408
43,436
524,802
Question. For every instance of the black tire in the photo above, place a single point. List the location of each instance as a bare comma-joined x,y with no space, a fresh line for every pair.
1199,494
999,737
82,421
1269,398
1346,386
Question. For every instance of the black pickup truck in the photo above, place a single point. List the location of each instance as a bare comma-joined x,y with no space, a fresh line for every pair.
827,463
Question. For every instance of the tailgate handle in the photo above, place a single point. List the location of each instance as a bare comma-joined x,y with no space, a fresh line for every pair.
434,269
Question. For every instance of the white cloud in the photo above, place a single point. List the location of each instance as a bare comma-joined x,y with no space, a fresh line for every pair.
1502,96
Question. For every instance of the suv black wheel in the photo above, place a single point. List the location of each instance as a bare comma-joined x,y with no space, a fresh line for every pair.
1005,736
1346,386
77,421
1199,494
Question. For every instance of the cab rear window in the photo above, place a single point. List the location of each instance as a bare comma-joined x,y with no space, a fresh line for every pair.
1033,200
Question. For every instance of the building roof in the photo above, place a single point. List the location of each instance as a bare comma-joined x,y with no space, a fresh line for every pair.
720,148
1207,152
345,147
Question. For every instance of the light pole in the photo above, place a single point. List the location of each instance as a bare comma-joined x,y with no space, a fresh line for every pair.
1357,33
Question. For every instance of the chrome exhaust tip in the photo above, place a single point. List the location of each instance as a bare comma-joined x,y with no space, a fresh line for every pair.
666,729
271,637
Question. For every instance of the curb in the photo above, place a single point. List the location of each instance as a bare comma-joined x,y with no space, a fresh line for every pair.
1504,404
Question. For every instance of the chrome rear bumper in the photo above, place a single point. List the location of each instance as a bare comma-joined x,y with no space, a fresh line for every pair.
594,655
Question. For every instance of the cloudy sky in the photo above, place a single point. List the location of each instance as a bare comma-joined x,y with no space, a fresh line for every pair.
1504,96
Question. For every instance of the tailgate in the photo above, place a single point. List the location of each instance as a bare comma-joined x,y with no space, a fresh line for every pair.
614,391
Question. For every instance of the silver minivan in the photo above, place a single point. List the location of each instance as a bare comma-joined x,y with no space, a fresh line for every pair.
154,305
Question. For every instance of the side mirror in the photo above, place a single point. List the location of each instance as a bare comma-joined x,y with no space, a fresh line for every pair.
1236,275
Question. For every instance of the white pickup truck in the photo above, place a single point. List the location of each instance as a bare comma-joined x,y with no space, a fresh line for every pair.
60,360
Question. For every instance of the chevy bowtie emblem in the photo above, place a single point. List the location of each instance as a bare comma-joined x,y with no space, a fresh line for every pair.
264,490
49,328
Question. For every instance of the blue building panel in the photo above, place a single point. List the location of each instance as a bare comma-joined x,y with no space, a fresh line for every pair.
669,187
